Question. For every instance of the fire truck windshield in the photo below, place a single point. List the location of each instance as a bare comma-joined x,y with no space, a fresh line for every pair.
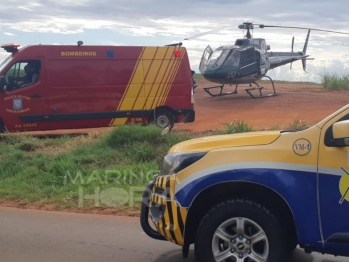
5,63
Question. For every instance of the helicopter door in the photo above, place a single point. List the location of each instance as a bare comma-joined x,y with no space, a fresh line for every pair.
204,59
248,62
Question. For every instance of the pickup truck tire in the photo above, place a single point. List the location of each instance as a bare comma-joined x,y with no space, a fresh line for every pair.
239,230
162,118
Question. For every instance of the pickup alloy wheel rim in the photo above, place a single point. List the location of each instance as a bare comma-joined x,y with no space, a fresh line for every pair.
240,240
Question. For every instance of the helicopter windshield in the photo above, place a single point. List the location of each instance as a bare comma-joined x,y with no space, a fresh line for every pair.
214,57
218,57
233,59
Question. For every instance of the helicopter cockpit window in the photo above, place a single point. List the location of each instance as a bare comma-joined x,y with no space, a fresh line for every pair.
233,59
248,57
223,56
214,57
263,45
255,43
239,42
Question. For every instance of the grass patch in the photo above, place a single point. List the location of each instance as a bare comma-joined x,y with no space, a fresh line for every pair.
103,169
297,125
65,170
237,126
333,81
198,76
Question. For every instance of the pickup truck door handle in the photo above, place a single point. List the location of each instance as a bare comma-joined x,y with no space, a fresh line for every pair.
36,96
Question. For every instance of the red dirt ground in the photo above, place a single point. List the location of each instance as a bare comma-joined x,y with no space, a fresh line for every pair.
308,103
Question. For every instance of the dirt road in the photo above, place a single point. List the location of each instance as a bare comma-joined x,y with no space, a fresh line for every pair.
309,103
32,236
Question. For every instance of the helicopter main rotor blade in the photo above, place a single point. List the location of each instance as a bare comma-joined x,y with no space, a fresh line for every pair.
208,32
295,27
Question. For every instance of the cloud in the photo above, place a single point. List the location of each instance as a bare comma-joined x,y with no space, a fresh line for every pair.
9,34
129,22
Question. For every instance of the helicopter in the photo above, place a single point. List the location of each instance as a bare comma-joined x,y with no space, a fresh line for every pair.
247,61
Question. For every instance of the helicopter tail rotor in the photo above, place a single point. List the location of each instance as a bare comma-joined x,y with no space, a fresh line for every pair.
292,50
304,60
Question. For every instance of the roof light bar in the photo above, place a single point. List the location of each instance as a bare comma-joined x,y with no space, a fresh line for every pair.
12,48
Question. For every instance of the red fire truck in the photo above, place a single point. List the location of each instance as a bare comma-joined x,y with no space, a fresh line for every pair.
45,87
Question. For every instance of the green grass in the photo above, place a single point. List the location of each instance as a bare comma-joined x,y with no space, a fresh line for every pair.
333,81
113,166
236,126
297,125
57,170
198,76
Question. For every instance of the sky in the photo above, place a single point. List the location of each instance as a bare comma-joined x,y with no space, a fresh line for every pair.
162,22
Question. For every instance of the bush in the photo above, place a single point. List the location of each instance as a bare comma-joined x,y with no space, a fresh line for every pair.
237,126
130,134
333,81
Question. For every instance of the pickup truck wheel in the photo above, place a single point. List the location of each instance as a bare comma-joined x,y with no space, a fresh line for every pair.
239,231
162,118
291,246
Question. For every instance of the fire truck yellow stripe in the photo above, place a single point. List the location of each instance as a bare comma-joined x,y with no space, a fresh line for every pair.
150,66
167,80
173,76
135,75
157,84
156,69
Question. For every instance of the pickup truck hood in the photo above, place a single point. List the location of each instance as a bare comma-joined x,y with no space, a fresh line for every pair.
221,141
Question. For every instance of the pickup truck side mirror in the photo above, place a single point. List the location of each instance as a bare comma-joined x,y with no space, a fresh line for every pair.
341,133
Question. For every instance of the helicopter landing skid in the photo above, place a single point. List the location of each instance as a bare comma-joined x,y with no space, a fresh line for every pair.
259,88
207,89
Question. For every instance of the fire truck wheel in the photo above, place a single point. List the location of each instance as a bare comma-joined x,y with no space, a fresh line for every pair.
162,118
239,230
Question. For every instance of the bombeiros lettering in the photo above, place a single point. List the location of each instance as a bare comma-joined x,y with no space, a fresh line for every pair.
78,53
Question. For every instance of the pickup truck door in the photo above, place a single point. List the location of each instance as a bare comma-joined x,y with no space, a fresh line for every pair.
333,184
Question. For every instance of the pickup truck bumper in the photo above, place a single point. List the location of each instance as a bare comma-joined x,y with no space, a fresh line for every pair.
166,214
145,214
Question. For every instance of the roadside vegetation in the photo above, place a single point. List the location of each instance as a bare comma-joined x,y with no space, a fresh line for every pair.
334,81
57,170
103,170
236,126
198,76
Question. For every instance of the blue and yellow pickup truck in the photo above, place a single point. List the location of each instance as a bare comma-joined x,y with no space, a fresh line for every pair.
255,196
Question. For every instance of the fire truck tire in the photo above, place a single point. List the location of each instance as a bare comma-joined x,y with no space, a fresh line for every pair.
162,118
239,229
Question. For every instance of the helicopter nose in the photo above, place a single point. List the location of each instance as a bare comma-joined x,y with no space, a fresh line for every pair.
231,74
